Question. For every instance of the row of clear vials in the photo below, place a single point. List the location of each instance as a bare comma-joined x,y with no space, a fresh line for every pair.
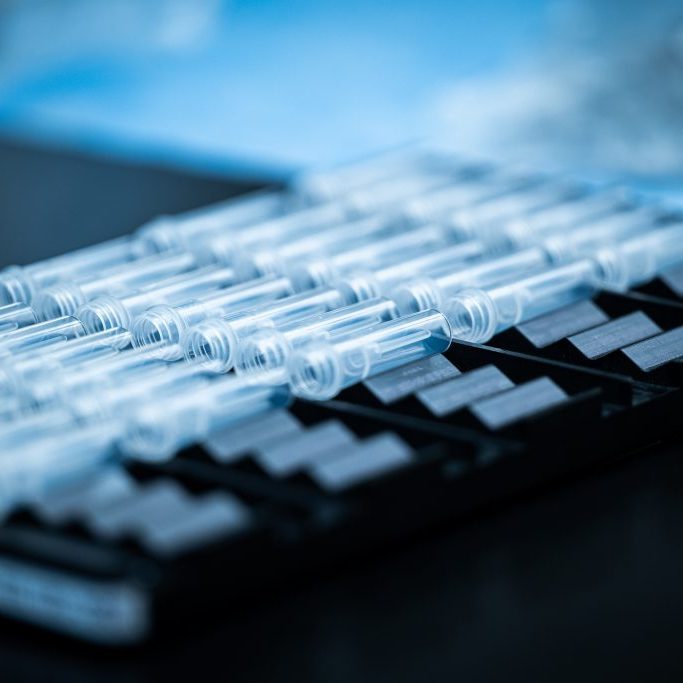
139,346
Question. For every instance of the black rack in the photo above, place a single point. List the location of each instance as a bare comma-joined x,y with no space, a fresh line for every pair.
151,543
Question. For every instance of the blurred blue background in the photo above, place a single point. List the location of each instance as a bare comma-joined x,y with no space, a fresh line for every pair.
269,86
282,83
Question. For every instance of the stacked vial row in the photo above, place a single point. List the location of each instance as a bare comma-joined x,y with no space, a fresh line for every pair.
142,345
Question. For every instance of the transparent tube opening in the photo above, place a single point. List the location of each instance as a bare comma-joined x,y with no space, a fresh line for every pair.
417,295
212,344
160,328
150,438
58,300
15,287
264,356
104,313
316,373
472,316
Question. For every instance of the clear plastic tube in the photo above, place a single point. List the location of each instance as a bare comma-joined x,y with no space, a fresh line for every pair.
476,315
65,298
111,389
591,207
473,191
614,228
227,248
163,326
28,427
362,285
421,294
74,440
13,316
101,388
427,293
391,166
32,379
107,312
18,284
167,233
114,388
326,271
641,258
275,259
215,343
157,430
35,336
320,370
393,192
322,185
264,353
31,468
478,220
68,346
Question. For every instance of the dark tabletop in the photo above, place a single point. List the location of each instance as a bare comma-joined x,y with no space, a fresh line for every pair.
578,582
